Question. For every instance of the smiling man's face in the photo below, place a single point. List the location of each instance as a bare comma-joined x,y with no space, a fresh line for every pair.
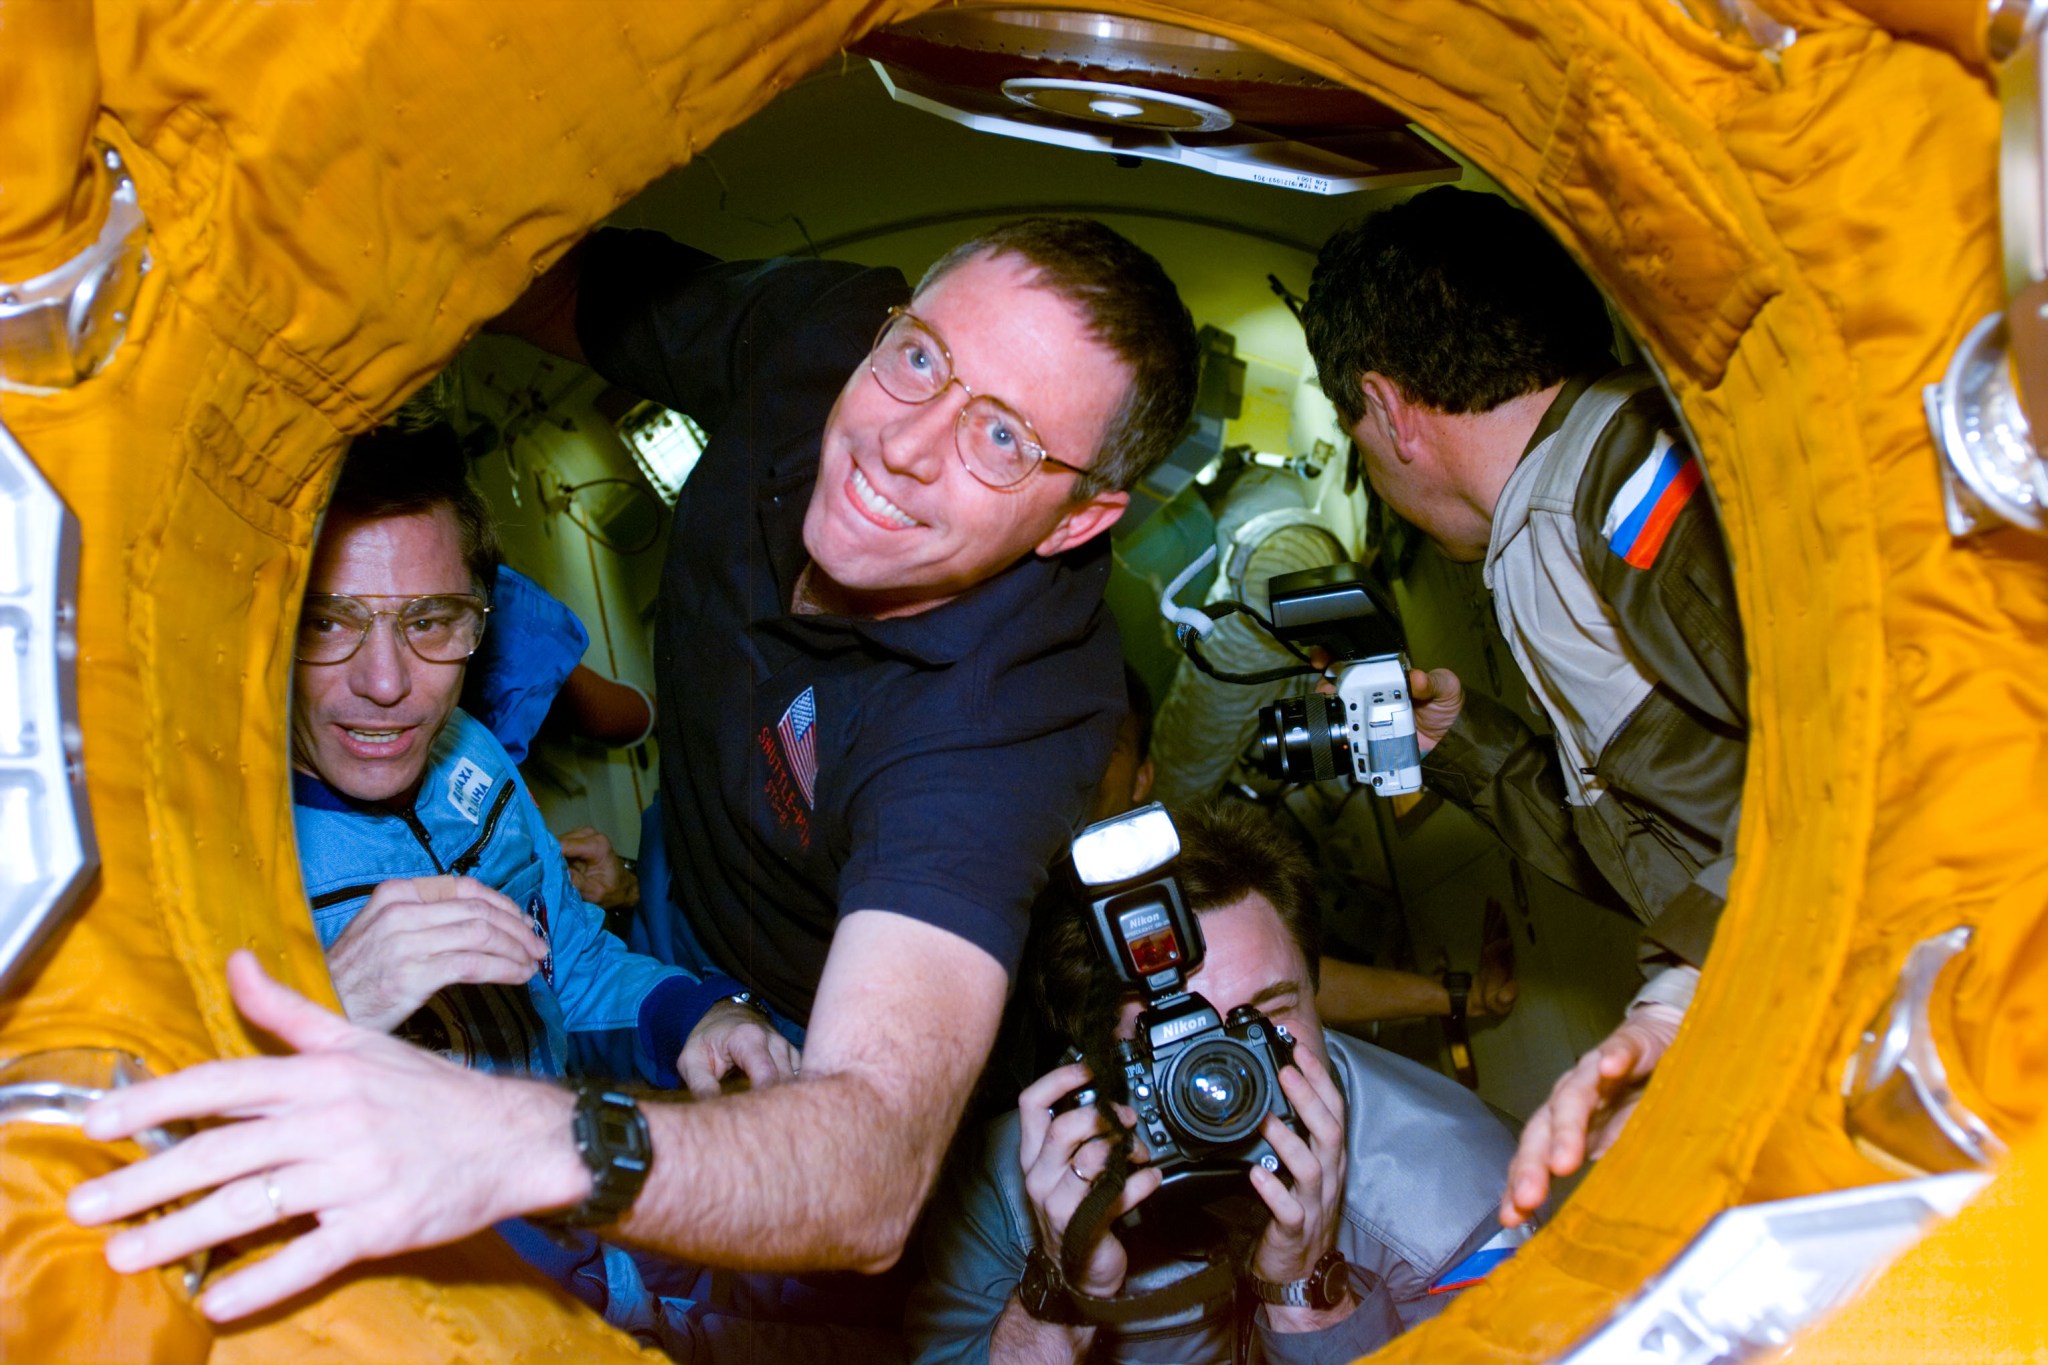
364,726
896,524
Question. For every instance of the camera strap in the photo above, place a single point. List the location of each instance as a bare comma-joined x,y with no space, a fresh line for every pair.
1211,1281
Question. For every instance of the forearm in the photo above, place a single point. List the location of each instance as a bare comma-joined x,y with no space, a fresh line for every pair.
1021,1339
1307,1336
819,1174
1353,993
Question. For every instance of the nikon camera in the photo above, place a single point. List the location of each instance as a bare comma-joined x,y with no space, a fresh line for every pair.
1201,1083
1366,731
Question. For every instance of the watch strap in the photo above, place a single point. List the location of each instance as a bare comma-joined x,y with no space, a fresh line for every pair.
613,1139
1321,1289
1043,1292
1457,1034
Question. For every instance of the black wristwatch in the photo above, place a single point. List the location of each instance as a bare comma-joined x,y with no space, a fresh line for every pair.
1043,1291
1323,1289
611,1136
1458,986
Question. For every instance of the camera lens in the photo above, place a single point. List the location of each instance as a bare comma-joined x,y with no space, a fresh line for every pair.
1302,739
1218,1093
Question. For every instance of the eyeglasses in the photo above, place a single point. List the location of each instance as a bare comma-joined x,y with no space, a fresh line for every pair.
994,444
441,629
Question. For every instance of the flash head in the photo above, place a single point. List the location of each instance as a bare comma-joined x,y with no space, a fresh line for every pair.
1136,912
1125,847
1336,608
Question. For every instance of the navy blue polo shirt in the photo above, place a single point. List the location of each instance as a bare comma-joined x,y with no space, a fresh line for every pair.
811,766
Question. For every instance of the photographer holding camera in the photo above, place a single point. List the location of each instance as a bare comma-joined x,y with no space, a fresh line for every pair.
1299,1185
1472,362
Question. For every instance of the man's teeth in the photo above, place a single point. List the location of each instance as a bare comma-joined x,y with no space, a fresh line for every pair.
373,736
878,504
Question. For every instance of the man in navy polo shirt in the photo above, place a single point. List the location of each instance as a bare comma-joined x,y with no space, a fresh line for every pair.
888,687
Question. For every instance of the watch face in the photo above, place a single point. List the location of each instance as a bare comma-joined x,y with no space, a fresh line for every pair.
616,1131
1039,1291
1326,1284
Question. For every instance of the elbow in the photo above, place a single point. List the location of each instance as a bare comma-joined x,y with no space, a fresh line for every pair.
880,1241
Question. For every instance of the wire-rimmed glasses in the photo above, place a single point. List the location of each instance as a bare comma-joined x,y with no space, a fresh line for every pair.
995,444
440,628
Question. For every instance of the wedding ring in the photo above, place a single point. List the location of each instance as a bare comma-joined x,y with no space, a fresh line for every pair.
1077,1174
274,1195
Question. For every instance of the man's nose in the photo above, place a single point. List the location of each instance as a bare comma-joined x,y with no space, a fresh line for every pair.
381,670
918,442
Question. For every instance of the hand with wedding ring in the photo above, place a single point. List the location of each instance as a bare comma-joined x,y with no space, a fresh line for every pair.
386,1147
1061,1159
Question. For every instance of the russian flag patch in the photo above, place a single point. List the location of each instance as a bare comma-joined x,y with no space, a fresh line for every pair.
1648,505
1482,1262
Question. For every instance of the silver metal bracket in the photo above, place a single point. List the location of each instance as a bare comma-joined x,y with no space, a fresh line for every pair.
47,849
56,1087
1991,474
1900,1107
62,327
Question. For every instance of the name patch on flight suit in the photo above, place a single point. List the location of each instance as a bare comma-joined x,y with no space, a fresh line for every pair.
467,787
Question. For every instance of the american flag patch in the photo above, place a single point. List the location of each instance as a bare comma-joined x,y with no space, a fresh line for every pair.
798,731
1648,505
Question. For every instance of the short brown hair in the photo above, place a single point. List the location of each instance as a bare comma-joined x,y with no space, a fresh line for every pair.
1132,308
1227,851
397,471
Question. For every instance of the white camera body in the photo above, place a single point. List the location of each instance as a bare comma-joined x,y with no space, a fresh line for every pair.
1379,722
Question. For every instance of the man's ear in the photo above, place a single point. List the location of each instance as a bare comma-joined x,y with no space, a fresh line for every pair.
1084,521
1141,784
1387,405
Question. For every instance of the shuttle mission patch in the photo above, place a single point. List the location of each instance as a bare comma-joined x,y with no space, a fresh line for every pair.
467,787
1644,510
797,730
789,748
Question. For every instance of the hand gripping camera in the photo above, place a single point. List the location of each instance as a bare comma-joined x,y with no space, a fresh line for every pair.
1201,1083
1368,728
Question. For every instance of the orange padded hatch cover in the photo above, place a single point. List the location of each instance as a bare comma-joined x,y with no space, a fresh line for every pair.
341,192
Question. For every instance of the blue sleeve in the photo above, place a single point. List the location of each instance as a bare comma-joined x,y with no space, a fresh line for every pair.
532,643
600,983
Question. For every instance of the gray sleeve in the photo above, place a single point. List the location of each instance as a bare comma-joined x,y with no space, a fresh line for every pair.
1371,1326
974,1255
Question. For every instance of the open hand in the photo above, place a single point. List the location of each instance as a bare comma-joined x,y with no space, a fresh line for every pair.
1306,1217
419,934
388,1148
1587,1108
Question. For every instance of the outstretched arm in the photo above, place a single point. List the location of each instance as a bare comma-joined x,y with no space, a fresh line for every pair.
391,1149
545,315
